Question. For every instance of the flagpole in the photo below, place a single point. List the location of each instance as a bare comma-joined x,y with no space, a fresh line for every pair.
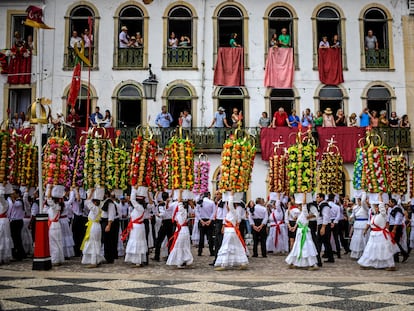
89,73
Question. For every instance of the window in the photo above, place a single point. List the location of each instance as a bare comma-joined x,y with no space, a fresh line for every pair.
131,17
284,98
375,29
17,25
179,99
227,20
180,28
80,19
230,98
81,106
129,106
331,96
19,101
378,99
328,21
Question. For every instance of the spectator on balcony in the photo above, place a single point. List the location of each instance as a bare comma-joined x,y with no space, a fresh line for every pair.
280,118
284,39
233,42
394,121
96,117
140,39
340,119
273,41
405,124
29,43
133,43
75,39
336,43
328,118
382,120
264,120
293,119
164,118
73,118
364,118
371,45
87,38
236,117
16,122
324,43
185,117
107,120
184,42
58,121
26,124
307,118
18,42
220,120
124,38
374,118
352,120
319,119
173,41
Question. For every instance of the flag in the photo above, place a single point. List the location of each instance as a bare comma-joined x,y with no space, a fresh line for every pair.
34,18
75,85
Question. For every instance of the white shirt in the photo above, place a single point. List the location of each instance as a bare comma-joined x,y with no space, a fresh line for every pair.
166,211
111,213
335,212
123,39
206,211
186,121
260,212
325,218
220,212
76,40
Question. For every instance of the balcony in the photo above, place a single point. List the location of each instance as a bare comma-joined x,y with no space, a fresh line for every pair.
392,137
377,59
69,57
180,57
130,58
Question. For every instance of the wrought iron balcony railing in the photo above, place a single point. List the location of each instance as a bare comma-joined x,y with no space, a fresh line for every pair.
69,57
130,58
377,58
180,57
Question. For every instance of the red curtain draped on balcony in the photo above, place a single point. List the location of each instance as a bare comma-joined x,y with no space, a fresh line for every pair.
279,68
330,66
229,70
20,67
346,139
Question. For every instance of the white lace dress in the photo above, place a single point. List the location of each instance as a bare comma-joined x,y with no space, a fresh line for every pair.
379,251
137,248
359,240
181,252
55,233
277,240
303,253
91,245
67,235
6,242
232,252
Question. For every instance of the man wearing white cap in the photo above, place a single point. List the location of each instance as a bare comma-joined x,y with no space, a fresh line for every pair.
123,38
220,119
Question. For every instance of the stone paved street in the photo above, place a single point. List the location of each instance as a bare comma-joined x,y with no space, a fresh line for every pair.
268,284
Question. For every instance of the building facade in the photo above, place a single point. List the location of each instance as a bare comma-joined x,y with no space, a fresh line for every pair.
381,79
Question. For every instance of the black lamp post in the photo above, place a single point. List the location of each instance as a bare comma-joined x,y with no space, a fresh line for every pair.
150,85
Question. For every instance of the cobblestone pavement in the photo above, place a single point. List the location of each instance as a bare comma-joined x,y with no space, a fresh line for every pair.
268,284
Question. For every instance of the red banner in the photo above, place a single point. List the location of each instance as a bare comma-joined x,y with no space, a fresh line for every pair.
280,68
75,85
229,70
330,66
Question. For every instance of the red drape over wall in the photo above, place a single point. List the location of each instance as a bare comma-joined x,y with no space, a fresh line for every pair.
229,69
279,68
330,66
20,66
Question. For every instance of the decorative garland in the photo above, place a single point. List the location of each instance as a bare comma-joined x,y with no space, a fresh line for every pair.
77,166
376,169
201,173
117,174
277,173
4,143
56,161
27,169
397,174
330,173
359,178
96,160
13,159
181,166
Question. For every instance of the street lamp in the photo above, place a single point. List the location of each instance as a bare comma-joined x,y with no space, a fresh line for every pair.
150,85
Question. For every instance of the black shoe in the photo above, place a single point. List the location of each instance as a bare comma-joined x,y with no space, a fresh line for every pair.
199,254
319,264
211,264
330,260
405,257
264,256
255,255
155,258
324,256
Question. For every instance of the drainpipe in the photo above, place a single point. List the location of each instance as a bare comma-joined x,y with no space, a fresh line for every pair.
203,64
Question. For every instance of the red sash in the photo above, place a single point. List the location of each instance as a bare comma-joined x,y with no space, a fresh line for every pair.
4,215
277,225
228,224
385,232
173,239
56,219
125,233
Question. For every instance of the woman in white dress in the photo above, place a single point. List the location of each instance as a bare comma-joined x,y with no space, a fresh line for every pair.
303,253
360,217
136,251
6,242
27,238
291,216
67,235
277,239
180,246
379,251
91,244
55,205
233,250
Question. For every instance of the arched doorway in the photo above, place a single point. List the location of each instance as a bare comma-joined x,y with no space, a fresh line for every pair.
179,99
129,106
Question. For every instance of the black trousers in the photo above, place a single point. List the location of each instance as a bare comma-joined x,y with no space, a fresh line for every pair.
242,228
16,227
206,231
325,240
110,240
166,230
218,237
259,237
344,233
397,239
78,231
